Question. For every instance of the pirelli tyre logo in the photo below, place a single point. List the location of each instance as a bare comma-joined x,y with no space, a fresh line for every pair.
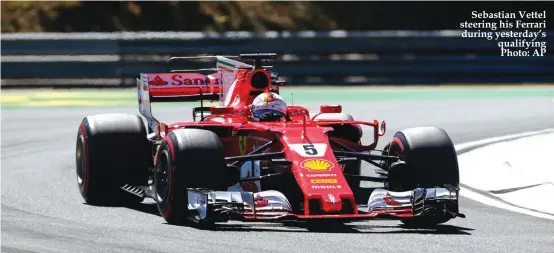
324,181
316,165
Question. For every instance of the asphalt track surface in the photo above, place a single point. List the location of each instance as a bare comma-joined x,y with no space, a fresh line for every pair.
42,210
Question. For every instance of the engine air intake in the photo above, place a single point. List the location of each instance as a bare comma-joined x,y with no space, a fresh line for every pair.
260,79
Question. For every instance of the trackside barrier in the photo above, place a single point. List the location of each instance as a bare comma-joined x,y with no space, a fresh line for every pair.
306,58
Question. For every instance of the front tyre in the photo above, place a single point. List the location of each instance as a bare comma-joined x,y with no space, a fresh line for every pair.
431,161
187,158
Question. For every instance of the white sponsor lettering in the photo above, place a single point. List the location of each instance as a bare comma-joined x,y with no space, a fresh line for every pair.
326,187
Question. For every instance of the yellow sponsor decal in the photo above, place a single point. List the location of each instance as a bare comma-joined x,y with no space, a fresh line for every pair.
86,95
316,165
68,99
76,103
324,181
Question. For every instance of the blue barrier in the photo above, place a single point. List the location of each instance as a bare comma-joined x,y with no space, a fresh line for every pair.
314,58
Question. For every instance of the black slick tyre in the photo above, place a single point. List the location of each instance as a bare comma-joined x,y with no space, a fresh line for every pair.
111,150
187,158
431,161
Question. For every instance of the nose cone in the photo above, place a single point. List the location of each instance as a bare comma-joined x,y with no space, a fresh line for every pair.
317,172
323,184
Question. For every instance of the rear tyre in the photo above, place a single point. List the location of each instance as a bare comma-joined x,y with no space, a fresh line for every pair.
431,161
351,133
187,158
112,150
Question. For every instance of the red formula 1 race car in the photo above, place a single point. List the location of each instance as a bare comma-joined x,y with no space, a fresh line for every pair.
226,166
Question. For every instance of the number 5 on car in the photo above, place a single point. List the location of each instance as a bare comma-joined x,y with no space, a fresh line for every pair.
310,150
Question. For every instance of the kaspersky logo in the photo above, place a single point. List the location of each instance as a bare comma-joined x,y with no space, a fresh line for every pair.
157,81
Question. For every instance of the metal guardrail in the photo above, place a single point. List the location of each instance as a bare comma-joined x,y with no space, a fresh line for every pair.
306,58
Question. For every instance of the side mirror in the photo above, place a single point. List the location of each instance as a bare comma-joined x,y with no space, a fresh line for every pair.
330,109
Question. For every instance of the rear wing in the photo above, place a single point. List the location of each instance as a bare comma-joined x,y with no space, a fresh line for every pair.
184,84
179,87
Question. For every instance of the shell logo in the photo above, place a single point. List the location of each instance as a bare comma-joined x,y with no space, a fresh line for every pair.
316,165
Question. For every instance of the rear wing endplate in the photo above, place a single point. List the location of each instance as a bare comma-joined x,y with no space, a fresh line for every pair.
174,87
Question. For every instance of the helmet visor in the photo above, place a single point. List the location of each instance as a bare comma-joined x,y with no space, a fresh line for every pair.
273,113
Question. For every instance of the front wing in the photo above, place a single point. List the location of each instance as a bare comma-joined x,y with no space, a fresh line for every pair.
221,206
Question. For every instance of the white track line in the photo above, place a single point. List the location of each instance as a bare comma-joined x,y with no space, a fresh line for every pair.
482,198
499,204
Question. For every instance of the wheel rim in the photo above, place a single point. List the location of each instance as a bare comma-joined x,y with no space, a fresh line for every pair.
81,159
162,176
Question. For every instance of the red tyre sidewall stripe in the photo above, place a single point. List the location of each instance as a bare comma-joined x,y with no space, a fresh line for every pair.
167,211
399,142
87,162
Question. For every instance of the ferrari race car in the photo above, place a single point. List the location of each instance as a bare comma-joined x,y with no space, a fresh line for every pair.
225,166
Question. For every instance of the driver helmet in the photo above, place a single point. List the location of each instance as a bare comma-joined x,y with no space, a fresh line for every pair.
269,106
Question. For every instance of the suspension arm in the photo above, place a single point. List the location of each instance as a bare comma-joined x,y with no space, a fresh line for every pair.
264,156
365,156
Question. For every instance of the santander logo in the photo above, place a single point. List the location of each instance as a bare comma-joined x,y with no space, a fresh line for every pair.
157,81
